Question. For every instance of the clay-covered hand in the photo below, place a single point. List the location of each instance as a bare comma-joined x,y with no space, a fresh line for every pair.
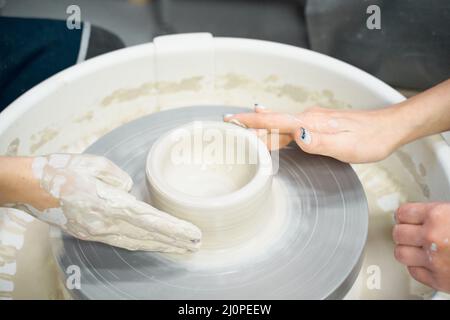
87,196
347,135
422,236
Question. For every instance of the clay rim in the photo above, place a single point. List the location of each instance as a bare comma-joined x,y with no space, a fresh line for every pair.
245,193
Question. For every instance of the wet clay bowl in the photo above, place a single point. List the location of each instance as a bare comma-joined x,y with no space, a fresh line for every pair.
213,174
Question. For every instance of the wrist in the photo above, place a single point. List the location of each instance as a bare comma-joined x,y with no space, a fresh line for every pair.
390,129
12,178
405,125
18,185
424,114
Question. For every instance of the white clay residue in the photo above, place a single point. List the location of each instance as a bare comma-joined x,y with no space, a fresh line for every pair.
385,184
389,202
58,182
433,247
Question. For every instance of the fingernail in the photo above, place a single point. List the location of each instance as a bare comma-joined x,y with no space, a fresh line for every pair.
258,106
238,123
233,121
228,115
305,136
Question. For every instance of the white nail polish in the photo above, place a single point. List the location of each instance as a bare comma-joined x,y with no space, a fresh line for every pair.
305,136
238,123
228,115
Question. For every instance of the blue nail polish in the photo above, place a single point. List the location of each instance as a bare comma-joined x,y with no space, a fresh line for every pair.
305,136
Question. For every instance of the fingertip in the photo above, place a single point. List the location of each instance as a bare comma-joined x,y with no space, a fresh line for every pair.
411,213
395,234
119,178
422,275
227,116
128,183
399,215
230,118
195,233
194,249
260,108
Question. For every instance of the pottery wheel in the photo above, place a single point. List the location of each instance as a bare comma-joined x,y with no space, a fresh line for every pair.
310,249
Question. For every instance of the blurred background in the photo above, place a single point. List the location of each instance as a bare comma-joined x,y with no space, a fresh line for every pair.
139,21
411,51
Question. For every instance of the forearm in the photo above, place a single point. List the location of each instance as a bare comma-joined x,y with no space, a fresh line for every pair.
425,114
19,186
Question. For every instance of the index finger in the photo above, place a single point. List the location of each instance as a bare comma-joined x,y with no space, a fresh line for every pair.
145,216
283,122
287,123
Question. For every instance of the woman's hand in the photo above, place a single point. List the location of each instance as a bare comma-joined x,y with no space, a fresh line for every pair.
347,135
87,196
422,238
350,135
